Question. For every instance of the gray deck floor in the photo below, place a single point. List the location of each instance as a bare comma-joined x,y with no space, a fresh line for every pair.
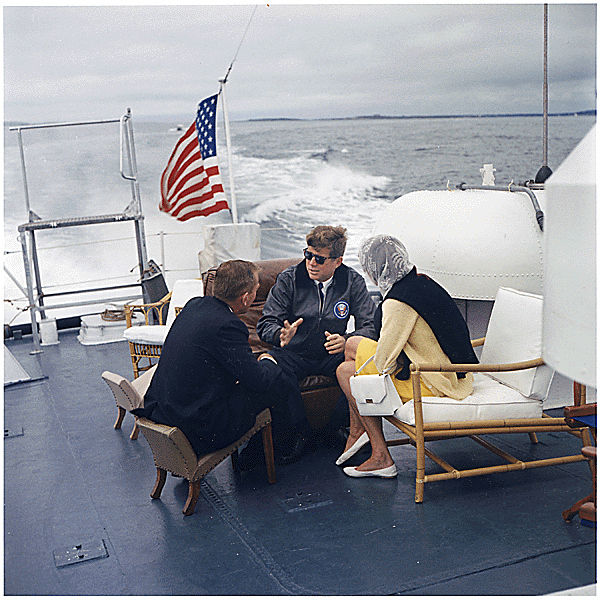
70,478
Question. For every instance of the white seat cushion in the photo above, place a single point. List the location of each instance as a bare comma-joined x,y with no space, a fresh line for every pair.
147,334
514,334
490,400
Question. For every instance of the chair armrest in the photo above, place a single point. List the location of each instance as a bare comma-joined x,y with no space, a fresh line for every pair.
146,310
477,368
477,342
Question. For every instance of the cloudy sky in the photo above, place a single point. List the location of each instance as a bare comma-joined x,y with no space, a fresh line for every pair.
296,60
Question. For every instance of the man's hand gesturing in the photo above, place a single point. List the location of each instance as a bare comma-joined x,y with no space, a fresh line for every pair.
288,331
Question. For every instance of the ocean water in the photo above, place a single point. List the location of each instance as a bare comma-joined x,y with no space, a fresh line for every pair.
289,176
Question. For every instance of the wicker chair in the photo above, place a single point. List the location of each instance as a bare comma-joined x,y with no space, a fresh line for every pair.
510,386
173,452
146,341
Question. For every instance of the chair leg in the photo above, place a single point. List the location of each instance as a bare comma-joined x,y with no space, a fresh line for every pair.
267,439
420,441
134,360
533,438
135,432
161,477
571,512
193,493
119,421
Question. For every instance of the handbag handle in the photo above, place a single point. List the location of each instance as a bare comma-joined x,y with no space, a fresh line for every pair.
370,359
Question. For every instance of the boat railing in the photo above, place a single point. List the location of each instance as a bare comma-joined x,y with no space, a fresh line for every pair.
133,213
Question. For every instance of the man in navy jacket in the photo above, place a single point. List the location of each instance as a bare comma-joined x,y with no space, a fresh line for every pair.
208,383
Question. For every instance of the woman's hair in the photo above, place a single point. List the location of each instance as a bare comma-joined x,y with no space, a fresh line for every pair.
385,260
234,278
326,236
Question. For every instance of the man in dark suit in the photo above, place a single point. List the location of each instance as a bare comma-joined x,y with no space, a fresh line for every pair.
208,383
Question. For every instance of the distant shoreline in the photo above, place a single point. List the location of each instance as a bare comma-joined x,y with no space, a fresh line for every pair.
375,117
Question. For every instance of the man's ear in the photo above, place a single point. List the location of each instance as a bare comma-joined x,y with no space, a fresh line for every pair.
244,298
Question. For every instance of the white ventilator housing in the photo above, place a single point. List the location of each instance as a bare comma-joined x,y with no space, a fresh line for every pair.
471,242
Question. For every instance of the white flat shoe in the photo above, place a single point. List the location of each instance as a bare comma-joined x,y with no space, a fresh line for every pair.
358,444
386,473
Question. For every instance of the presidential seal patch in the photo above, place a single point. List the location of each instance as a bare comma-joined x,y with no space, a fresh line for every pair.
340,310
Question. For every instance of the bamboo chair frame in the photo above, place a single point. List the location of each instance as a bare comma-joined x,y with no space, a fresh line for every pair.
421,432
145,356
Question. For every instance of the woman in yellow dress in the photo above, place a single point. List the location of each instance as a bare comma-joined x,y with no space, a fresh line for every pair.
417,321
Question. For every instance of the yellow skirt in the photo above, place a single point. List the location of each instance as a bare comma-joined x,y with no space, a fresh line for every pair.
366,349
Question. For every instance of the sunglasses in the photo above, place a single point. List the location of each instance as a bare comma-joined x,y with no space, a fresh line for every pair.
320,260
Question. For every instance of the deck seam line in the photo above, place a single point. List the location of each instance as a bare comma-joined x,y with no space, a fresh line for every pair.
492,567
258,553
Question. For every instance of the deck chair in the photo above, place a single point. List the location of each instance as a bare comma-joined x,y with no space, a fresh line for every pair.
510,386
146,341
173,452
128,395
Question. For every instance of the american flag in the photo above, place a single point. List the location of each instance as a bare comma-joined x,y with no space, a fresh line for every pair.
191,184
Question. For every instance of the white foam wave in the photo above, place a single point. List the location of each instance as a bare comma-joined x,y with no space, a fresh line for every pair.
285,188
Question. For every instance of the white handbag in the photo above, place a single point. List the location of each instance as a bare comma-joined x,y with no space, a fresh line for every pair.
375,395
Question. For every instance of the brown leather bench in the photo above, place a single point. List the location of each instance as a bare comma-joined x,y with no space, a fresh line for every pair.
319,393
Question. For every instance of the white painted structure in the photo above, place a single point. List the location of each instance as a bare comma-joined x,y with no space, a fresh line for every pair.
471,242
569,324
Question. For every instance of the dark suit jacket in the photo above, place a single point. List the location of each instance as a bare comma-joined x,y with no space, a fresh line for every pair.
208,383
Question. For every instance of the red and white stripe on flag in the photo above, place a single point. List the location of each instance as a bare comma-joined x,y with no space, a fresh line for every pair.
191,184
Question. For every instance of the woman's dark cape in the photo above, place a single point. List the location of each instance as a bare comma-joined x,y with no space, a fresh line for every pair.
438,309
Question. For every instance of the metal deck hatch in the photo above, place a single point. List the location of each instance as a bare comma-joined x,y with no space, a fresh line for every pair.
13,432
80,553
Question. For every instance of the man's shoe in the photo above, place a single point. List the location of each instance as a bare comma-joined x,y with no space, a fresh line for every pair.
250,457
335,438
295,453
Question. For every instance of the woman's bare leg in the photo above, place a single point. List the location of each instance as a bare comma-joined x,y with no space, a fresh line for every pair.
380,456
344,372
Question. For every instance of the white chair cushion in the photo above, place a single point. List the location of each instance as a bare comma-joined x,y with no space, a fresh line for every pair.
183,290
514,334
490,400
147,334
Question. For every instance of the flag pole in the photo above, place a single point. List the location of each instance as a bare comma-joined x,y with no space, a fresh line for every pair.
228,140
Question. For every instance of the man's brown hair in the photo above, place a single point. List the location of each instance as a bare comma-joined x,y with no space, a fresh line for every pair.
234,278
326,236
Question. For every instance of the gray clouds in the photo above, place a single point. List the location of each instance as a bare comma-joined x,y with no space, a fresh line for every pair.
306,61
